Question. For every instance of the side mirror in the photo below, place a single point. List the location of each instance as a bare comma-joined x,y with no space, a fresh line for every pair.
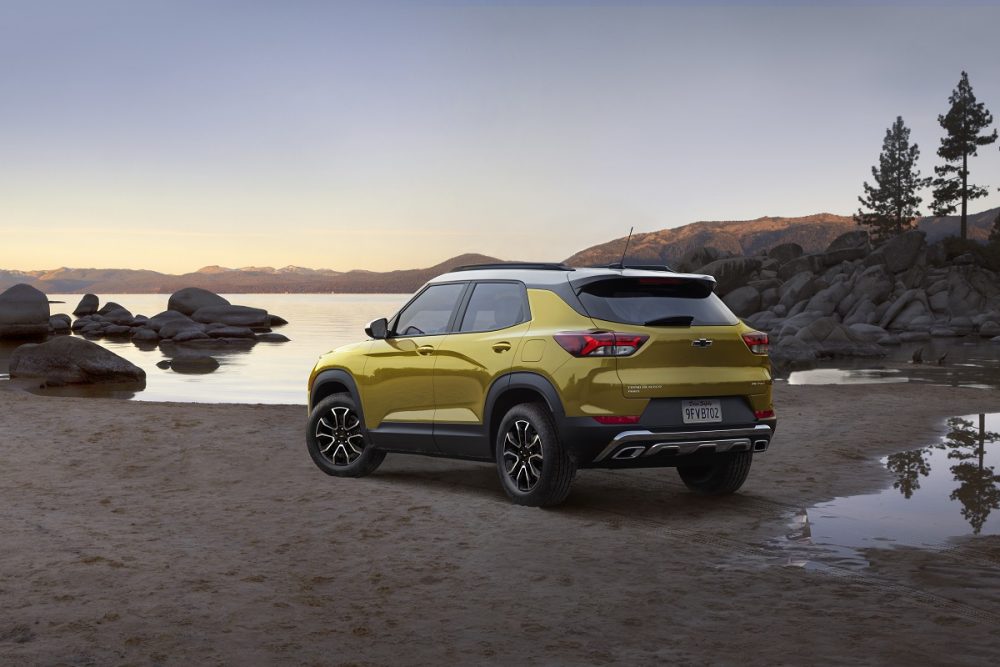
378,329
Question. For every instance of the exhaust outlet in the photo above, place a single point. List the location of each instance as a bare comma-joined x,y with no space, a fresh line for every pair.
760,445
627,453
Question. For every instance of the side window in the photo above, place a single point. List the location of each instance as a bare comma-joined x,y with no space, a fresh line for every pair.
495,306
430,312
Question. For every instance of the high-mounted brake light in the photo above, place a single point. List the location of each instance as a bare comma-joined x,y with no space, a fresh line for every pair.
600,343
756,341
617,419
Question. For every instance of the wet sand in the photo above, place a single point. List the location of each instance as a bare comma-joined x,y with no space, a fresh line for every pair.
176,534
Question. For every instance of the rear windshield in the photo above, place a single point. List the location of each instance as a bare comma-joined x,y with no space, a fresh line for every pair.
655,302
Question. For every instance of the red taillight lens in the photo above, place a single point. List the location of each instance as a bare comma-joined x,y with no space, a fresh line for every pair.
616,419
600,343
763,414
756,341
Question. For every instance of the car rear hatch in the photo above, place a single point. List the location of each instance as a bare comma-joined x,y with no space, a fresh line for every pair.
694,345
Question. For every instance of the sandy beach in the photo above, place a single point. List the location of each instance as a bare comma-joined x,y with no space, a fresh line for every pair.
176,534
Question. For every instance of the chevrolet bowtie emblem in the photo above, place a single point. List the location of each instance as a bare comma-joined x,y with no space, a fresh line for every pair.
701,342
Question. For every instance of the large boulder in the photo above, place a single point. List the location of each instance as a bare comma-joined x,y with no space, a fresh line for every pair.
70,360
743,301
175,327
874,284
854,239
785,252
901,252
236,316
190,299
698,257
729,273
118,316
24,312
809,263
157,321
88,305
111,306
799,288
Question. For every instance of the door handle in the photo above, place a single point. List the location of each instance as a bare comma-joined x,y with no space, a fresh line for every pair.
501,347
425,349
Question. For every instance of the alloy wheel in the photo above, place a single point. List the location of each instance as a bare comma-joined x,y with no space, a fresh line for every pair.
338,434
522,455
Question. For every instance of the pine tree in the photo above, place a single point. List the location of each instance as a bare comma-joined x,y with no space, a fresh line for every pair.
890,206
963,123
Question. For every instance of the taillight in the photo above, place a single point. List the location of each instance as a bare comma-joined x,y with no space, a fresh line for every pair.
763,414
616,419
756,341
600,343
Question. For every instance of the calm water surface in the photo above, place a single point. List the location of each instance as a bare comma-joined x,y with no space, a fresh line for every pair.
947,490
268,373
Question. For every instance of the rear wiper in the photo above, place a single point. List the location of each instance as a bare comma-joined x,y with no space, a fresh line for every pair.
672,321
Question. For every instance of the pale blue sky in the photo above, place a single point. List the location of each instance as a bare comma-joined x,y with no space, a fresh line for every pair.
171,135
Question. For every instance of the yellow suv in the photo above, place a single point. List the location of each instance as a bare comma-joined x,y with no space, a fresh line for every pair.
545,368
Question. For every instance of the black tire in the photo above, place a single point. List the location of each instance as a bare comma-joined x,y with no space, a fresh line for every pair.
723,476
335,437
533,465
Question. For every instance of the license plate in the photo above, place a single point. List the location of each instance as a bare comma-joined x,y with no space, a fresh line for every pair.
701,411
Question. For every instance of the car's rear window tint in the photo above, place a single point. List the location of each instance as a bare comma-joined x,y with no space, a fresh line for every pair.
643,300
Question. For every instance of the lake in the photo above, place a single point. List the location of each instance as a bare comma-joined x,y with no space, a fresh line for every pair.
278,372
268,373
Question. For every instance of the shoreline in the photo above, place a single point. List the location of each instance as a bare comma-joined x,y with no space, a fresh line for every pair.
145,532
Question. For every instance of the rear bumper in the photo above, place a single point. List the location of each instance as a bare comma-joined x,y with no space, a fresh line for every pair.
595,445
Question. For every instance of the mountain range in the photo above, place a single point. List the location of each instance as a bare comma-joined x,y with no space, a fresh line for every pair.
739,237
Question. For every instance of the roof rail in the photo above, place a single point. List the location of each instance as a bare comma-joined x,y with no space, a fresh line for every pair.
538,266
640,267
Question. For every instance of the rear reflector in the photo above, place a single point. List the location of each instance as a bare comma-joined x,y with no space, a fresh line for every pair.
615,419
600,343
756,341
763,414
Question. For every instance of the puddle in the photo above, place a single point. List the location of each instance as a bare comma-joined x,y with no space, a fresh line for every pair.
953,362
943,491
847,376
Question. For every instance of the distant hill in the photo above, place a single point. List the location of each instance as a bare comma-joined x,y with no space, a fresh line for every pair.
980,225
743,237
748,237
740,237
223,280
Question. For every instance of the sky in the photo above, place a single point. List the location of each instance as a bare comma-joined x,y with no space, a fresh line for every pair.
171,135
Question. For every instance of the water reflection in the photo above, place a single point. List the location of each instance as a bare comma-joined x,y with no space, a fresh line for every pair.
946,490
978,484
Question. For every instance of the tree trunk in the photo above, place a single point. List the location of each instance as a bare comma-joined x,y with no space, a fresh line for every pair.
965,194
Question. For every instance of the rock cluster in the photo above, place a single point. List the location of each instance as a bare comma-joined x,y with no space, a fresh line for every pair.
852,300
195,318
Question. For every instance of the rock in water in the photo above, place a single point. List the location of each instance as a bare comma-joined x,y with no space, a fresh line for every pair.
88,305
24,312
190,299
273,338
72,360
236,316
193,363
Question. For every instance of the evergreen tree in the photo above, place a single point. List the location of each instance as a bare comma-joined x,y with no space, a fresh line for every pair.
890,206
963,123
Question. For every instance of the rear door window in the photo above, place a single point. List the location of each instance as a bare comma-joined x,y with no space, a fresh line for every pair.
495,306
655,302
